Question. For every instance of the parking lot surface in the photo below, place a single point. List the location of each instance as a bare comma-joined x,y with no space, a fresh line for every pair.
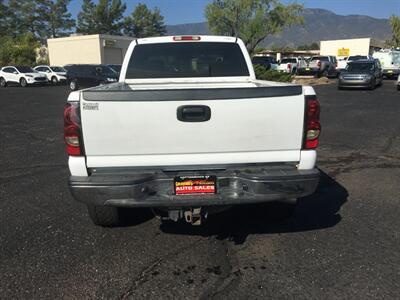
343,242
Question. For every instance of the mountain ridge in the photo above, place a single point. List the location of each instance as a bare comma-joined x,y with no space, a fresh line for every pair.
319,24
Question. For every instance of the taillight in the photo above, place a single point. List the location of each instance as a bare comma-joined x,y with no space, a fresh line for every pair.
289,66
72,130
319,63
312,126
186,38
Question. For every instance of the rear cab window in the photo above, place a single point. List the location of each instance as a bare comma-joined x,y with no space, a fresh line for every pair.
321,58
288,61
183,60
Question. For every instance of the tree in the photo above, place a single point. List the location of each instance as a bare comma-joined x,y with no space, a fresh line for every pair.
251,20
23,17
57,20
19,50
313,46
104,17
3,18
395,24
144,23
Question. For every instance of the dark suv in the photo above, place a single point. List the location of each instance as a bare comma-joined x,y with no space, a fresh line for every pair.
266,61
82,76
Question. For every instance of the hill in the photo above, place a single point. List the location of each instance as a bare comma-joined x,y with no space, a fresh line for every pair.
319,24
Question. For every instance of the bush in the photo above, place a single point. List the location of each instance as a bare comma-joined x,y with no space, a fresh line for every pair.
272,75
18,51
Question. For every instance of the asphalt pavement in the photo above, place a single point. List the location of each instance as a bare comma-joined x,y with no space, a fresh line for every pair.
342,242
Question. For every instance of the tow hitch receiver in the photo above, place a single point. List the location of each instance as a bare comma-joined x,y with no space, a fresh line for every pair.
194,216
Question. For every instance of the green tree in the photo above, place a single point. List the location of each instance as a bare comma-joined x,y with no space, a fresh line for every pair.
313,46
57,20
3,18
104,17
19,50
23,17
251,20
395,24
144,22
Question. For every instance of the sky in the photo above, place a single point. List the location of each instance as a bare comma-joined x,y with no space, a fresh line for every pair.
191,11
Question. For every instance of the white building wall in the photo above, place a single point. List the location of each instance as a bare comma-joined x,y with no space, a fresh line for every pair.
350,46
74,50
88,49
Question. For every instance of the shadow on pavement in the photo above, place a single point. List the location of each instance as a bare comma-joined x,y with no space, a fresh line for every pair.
318,211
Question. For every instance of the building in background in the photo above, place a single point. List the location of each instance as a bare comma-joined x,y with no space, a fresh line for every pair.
343,48
88,49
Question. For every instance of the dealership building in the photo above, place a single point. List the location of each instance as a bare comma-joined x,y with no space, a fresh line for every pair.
88,49
343,48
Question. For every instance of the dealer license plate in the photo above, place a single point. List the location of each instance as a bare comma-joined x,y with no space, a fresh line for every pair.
187,185
307,69
390,71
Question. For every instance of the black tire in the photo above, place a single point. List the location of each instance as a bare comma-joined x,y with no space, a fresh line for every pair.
105,216
373,84
22,82
73,85
398,87
325,73
54,80
3,82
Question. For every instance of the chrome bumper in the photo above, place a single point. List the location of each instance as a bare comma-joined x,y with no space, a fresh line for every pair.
155,188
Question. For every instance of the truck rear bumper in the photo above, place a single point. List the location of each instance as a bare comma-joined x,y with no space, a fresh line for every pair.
155,188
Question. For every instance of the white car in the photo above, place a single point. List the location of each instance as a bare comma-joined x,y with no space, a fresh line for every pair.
398,83
22,75
291,64
54,74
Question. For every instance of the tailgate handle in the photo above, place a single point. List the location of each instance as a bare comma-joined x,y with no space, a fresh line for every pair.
193,113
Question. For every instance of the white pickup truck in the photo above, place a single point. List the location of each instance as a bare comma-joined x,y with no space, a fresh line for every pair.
188,130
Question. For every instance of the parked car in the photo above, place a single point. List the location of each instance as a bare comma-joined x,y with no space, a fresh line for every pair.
22,75
268,62
398,83
83,76
320,66
342,63
361,74
115,68
54,74
176,135
291,64
390,61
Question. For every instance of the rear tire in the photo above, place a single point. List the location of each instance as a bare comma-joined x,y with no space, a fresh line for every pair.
73,85
325,73
373,84
54,80
23,82
3,82
398,87
105,216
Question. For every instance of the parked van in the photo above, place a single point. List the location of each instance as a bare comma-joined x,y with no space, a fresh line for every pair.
390,61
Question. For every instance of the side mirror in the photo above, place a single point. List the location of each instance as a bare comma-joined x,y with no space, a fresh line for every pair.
48,71
15,72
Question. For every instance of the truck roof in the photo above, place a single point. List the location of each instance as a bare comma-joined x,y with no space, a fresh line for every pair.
186,38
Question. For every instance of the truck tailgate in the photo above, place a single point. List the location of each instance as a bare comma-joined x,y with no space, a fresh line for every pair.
123,126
